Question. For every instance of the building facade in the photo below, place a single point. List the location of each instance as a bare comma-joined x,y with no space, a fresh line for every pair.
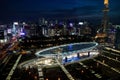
117,38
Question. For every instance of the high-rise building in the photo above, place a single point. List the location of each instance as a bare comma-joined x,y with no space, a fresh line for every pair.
1,34
117,38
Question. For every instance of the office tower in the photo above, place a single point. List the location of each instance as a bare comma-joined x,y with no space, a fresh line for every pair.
117,38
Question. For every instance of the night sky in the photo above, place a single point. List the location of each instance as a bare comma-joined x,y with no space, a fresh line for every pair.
12,10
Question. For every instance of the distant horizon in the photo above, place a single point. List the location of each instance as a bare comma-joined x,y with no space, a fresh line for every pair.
94,21
32,10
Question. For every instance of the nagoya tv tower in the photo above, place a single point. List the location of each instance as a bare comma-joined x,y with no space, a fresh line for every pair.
105,17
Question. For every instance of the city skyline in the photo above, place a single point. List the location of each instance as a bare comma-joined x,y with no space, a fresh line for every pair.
64,9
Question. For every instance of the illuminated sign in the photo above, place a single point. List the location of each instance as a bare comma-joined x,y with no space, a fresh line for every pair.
80,23
71,24
22,33
15,23
9,31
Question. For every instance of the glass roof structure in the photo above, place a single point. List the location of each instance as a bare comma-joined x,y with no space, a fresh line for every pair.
67,49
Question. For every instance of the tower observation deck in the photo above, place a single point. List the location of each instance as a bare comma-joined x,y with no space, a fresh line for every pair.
106,2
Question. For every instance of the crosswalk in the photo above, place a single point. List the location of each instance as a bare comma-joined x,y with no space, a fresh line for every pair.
40,73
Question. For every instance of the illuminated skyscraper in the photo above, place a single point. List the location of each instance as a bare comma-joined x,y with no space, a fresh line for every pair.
117,36
103,34
105,16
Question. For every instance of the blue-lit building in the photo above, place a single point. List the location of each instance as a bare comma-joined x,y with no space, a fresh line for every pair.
117,38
